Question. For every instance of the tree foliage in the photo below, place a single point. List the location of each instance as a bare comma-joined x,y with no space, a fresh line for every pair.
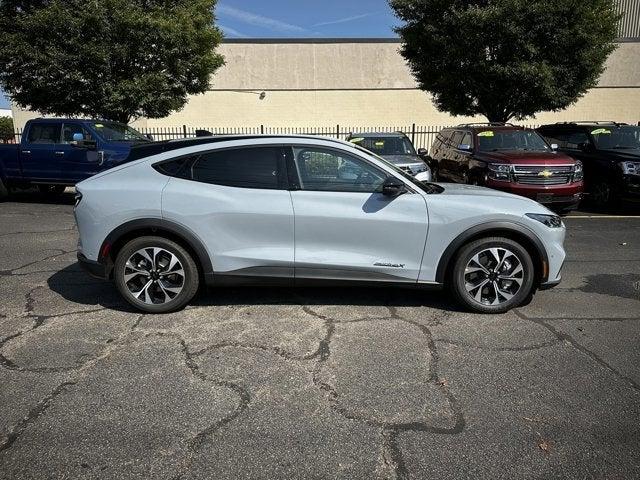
506,58
6,129
115,59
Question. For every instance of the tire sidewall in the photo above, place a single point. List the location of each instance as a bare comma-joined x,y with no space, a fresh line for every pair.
477,246
191,282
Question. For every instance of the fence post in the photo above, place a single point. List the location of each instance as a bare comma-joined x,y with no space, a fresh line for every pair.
413,134
261,129
184,131
338,132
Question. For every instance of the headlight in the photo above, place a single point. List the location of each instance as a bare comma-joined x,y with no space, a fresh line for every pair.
499,172
630,168
78,198
578,172
551,221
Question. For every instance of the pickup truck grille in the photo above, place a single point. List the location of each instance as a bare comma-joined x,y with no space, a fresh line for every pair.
543,175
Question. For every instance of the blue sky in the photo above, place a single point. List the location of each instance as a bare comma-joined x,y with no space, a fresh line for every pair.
301,18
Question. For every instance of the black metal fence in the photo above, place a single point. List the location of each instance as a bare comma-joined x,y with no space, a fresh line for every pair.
422,136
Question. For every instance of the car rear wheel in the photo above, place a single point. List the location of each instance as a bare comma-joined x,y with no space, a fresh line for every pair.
493,275
156,275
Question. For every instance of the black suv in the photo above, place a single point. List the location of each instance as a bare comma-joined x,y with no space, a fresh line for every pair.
610,153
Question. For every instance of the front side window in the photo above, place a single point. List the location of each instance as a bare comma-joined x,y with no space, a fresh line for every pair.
511,140
255,167
329,170
43,134
70,129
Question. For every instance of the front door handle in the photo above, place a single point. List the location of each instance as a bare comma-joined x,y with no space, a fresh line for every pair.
26,152
59,154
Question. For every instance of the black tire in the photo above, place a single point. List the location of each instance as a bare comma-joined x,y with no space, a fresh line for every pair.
51,189
464,257
189,284
602,196
4,191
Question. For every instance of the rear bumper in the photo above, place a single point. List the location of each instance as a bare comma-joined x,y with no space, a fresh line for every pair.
93,268
567,196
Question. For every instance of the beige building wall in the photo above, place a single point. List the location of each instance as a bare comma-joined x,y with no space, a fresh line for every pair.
325,83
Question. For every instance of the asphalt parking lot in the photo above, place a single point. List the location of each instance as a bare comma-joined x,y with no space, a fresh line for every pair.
315,383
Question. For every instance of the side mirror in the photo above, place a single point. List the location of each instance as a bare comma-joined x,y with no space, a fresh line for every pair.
465,147
78,137
554,146
423,152
392,187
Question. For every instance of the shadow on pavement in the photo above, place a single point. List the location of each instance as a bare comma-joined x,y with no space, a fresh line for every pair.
76,286
34,196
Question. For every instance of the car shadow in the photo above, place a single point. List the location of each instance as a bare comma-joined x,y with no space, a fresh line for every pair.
76,286
34,196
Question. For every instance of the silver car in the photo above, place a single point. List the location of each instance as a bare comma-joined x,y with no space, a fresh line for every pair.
304,210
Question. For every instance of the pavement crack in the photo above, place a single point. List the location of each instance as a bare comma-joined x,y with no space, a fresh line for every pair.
538,346
392,456
35,413
565,337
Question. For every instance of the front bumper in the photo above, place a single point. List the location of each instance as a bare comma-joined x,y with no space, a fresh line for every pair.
567,195
95,269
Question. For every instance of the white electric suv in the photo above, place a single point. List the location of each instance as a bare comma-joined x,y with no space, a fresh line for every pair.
300,210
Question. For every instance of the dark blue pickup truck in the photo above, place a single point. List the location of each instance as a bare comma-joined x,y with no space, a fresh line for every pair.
56,153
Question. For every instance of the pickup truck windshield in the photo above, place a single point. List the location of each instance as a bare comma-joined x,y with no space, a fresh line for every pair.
495,140
386,145
616,138
118,132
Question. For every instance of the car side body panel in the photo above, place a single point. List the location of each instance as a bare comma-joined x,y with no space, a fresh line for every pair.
246,231
359,236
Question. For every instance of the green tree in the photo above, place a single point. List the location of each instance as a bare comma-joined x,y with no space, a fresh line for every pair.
114,59
506,58
6,129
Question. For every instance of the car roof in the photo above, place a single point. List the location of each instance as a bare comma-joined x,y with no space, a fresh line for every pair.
376,134
79,120
155,148
584,124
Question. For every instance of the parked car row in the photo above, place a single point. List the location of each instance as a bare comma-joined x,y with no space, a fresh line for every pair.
555,165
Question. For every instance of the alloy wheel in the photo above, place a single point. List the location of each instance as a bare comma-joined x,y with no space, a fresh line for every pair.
154,275
494,276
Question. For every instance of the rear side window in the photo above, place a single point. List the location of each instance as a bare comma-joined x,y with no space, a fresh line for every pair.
255,167
175,168
44,134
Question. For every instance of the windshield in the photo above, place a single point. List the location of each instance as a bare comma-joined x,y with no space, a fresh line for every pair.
495,140
617,138
118,132
386,145
426,187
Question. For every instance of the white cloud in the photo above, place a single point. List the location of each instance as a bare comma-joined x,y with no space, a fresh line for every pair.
228,31
259,20
344,20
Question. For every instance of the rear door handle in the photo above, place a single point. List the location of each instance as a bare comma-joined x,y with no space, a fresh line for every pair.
59,154
26,152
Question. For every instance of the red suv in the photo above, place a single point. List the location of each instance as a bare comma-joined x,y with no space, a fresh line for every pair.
509,158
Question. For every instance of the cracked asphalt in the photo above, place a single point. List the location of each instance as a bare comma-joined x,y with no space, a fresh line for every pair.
315,383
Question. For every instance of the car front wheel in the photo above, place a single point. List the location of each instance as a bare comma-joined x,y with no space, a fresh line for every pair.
493,275
156,275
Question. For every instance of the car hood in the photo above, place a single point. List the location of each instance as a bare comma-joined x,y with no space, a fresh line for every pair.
526,158
402,159
473,190
622,155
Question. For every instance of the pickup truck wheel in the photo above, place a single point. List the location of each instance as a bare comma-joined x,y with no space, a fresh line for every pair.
493,275
4,192
155,275
51,189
